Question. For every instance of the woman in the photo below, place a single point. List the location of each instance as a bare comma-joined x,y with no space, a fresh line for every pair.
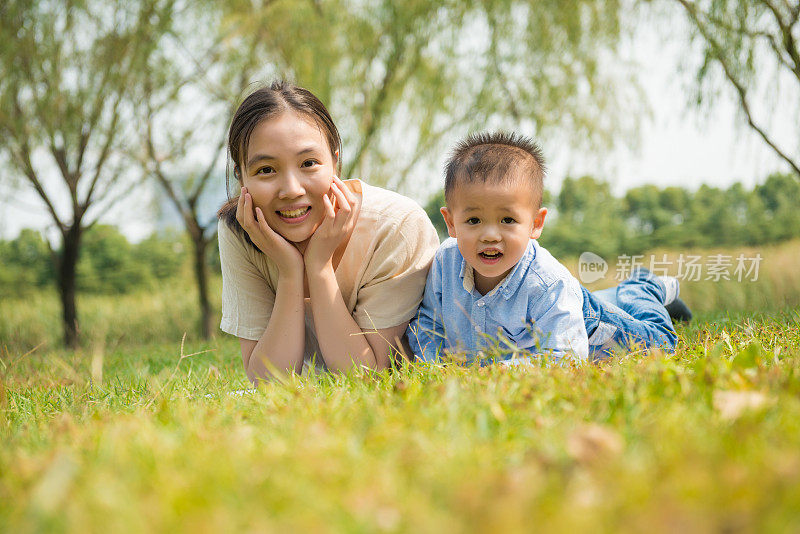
314,269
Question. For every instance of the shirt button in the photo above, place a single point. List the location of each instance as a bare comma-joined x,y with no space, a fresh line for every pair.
478,329
480,304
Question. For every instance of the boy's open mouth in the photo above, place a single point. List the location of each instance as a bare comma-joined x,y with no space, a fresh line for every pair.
490,256
293,215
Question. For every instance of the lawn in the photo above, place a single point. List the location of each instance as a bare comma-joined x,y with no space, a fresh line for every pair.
148,438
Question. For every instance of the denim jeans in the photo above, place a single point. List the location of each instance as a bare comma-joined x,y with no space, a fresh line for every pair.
628,316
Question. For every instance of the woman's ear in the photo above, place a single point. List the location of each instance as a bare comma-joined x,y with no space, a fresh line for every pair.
335,159
448,220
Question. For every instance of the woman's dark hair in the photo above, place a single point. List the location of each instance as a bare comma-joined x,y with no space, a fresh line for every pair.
263,104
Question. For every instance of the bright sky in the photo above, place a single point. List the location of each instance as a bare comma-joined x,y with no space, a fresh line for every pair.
680,145
677,146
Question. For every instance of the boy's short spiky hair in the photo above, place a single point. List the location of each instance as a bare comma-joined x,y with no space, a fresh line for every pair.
495,157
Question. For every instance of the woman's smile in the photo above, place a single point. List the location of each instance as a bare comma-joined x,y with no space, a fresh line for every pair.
294,215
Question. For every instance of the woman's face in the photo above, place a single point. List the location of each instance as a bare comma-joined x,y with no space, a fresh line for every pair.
288,169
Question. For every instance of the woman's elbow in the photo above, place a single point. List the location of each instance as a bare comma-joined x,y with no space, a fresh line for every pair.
251,376
382,364
269,373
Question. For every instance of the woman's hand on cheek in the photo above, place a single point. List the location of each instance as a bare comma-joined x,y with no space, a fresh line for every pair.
275,246
337,223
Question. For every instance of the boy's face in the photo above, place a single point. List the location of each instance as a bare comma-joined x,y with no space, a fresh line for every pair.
493,224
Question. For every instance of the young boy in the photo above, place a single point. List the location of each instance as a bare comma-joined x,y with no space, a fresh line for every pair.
495,282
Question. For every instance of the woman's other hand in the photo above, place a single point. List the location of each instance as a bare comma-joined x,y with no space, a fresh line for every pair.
287,258
337,224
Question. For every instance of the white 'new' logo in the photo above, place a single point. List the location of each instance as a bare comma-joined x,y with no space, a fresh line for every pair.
591,267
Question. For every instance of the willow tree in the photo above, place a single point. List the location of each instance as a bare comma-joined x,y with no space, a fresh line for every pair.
403,79
184,107
67,70
747,44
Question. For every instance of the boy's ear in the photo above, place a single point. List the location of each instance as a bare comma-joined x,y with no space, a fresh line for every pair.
538,223
448,220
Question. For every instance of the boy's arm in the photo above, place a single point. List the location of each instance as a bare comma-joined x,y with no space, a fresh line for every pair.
559,321
426,331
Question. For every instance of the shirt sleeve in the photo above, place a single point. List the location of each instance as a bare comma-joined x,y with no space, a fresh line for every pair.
426,331
559,321
395,276
247,299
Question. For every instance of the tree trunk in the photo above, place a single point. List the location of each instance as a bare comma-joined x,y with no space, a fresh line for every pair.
201,275
67,269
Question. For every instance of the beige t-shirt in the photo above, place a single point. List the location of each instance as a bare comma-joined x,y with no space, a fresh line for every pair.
381,274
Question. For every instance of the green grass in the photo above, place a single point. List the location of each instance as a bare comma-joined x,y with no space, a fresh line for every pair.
122,438
158,315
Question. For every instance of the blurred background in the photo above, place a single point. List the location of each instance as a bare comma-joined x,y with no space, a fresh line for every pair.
670,128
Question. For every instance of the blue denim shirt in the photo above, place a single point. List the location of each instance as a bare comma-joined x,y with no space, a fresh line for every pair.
538,307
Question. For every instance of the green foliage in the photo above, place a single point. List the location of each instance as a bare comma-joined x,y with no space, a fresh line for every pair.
587,217
26,263
164,255
150,439
109,263
779,197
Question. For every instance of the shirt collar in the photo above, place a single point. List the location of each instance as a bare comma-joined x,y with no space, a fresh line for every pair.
508,285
